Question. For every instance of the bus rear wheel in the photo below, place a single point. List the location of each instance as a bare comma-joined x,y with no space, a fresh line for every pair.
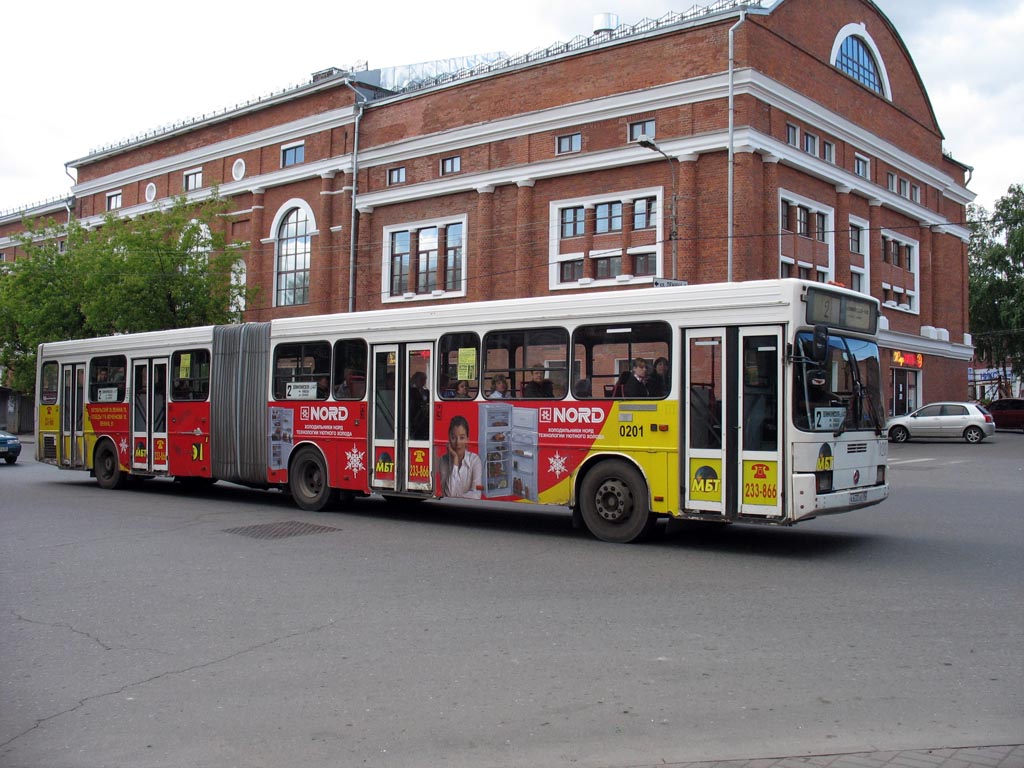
307,481
613,503
107,467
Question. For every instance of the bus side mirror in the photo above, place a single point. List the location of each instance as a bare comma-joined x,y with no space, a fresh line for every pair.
820,348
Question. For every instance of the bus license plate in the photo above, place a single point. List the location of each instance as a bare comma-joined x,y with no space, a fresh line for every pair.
858,497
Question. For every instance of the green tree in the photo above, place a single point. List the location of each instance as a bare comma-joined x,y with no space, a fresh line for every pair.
167,269
996,263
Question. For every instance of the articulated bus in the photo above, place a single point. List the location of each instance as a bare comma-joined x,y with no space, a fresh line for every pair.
753,402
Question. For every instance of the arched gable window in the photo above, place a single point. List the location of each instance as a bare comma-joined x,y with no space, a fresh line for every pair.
293,231
855,53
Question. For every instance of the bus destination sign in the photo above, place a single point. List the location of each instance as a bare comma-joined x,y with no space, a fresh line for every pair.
850,313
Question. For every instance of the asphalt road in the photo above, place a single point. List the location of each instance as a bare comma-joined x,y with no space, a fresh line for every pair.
143,628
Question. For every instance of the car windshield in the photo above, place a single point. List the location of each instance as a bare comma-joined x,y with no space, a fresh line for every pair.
843,392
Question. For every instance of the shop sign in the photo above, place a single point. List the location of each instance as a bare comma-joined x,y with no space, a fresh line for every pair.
907,359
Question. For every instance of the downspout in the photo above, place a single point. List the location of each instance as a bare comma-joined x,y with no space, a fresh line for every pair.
360,103
732,128
69,198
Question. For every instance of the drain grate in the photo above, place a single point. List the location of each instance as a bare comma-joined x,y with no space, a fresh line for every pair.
282,530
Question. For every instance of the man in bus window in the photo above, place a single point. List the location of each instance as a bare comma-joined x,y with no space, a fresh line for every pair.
636,384
419,407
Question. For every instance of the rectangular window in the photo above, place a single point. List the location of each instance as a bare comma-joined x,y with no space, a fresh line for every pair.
450,165
453,258
828,151
193,180
645,213
302,371
293,155
567,144
803,223
608,218
784,222
572,221
106,379
426,261
608,267
527,356
190,375
396,175
645,264
856,239
792,135
908,257
606,357
904,188
862,166
820,226
894,247
458,359
857,281
915,193
349,369
113,200
570,271
641,128
810,144
399,263
891,178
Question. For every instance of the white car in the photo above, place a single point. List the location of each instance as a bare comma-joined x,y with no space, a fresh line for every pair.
969,421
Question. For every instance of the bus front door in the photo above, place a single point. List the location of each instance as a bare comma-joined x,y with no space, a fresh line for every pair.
402,402
149,414
733,455
72,408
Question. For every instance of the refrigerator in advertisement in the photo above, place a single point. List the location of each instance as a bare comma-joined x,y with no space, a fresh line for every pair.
508,444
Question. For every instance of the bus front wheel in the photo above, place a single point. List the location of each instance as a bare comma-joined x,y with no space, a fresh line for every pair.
613,503
107,467
307,481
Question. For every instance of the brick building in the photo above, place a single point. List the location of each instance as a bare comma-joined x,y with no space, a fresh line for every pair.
601,162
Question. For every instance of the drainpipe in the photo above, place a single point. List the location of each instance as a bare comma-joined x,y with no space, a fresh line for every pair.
360,104
67,201
732,128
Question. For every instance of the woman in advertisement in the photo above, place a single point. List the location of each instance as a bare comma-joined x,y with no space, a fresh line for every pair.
459,468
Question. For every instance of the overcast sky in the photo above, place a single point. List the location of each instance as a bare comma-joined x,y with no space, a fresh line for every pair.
80,76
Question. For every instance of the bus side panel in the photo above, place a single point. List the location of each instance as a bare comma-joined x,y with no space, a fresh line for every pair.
337,428
47,433
107,420
530,450
189,437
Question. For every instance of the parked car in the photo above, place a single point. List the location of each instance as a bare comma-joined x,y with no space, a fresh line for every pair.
10,447
1008,412
970,421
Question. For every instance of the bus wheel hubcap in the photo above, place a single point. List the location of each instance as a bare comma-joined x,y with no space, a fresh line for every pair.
611,500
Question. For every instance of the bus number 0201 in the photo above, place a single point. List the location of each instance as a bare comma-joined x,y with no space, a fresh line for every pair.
631,430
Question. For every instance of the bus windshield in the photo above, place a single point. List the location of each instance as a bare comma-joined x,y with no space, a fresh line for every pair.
843,392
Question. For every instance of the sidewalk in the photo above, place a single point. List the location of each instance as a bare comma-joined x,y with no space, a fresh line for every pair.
1011,756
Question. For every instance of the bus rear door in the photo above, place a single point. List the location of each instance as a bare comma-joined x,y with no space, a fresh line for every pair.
402,418
72,407
149,414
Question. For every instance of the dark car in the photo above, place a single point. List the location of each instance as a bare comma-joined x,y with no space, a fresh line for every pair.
10,447
1008,412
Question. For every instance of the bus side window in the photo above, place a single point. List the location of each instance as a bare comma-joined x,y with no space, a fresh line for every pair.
349,369
190,375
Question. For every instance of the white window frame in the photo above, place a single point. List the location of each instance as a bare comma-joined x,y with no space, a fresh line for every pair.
294,145
411,226
638,128
575,142
915,292
891,181
555,258
311,232
828,152
792,135
114,200
810,144
451,165
859,159
813,207
865,252
192,180
396,175
915,193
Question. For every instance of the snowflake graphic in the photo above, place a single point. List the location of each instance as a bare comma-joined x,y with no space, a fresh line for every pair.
556,465
123,446
354,460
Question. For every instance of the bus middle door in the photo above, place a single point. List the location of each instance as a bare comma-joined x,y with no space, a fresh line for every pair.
402,405
149,414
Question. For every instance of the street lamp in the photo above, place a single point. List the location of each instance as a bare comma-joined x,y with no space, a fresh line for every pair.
647,142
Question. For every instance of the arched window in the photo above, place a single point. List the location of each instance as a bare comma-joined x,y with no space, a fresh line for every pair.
856,60
293,252
854,52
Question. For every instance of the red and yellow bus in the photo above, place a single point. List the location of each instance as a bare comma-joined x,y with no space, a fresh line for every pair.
750,402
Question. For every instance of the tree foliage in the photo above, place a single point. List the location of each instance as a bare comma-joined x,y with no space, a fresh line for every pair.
996,262
167,269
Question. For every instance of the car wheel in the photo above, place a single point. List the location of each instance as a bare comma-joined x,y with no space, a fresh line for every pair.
613,502
107,467
308,481
974,434
899,434
10,459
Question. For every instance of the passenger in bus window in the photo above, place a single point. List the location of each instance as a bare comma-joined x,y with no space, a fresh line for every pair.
323,387
459,469
499,388
538,386
419,407
352,386
637,384
583,388
462,390
659,382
